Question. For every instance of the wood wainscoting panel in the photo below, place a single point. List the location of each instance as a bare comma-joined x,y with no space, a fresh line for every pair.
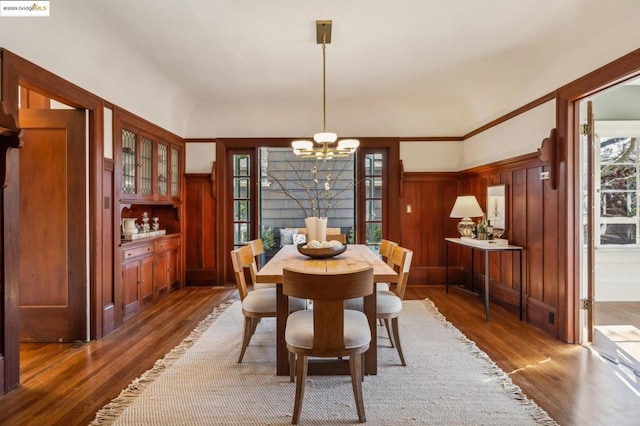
424,228
200,239
532,222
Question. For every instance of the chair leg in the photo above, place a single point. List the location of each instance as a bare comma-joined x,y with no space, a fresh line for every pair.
246,336
355,365
254,325
389,333
292,366
396,338
301,378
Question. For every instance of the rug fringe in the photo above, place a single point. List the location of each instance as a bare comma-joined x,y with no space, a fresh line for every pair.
108,414
538,414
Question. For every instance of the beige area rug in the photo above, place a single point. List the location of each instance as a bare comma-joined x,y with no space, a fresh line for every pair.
447,381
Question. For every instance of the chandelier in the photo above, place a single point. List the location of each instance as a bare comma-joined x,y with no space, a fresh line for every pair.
325,149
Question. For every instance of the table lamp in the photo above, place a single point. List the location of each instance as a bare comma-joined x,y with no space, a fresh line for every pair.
466,207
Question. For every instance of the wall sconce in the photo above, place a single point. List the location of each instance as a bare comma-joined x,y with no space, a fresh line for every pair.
466,207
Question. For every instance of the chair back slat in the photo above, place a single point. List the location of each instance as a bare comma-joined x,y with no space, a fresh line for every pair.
257,248
400,260
386,247
242,258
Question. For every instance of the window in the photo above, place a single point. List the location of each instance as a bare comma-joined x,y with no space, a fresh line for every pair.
292,188
373,174
616,181
241,199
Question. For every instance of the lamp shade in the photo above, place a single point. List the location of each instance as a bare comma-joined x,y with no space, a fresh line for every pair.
466,206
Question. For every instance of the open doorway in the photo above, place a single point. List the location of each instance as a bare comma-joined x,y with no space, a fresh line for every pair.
53,230
610,221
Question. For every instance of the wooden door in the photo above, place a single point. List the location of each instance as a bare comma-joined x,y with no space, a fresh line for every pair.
146,280
160,276
131,287
591,215
241,218
53,215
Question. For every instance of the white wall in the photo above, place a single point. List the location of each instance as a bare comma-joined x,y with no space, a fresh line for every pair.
200,157
431,156
522,134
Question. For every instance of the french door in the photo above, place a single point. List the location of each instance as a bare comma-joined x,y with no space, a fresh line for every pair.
372,189
240,209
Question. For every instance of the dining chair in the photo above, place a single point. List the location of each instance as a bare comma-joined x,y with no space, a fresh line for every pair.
330,231
385,249
258,303
258,249
337,237
389,302
328,330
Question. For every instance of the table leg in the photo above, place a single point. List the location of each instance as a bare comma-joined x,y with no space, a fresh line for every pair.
486,284
473,267
371,356
282,312
520,304
446,266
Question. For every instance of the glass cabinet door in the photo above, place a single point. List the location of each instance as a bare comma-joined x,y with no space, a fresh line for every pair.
146,166
163,169
129,163
175,172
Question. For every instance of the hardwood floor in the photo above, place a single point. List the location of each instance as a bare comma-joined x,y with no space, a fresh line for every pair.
618,313
63,384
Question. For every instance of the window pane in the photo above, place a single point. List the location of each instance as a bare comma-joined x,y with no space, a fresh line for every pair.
374,232
240,233
241,210
374,209
618,150
618,233
241,166
618,204
241,188
618,177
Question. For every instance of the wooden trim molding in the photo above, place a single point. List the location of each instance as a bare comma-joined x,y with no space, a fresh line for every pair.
9,139
213,180
548,153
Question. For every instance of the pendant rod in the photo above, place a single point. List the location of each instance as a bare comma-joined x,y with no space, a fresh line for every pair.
324,78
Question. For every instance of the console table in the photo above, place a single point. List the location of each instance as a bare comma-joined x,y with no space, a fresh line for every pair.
486,247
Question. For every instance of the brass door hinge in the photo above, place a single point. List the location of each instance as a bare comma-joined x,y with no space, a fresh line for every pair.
585,129
585,303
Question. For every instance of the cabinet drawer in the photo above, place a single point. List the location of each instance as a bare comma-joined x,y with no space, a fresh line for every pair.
167,244
137,251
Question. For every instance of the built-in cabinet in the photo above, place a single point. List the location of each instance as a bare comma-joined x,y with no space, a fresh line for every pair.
151,167
137,278
148,182
150,269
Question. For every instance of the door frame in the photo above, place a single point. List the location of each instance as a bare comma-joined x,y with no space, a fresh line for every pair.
567,122
17,72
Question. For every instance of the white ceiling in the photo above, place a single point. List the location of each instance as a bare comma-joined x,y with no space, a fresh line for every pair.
247,68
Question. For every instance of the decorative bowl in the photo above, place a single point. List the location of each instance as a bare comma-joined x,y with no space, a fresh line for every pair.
321,253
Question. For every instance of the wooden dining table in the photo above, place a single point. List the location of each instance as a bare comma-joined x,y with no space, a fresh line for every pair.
357,256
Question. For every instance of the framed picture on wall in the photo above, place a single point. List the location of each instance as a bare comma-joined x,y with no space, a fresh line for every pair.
496,206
